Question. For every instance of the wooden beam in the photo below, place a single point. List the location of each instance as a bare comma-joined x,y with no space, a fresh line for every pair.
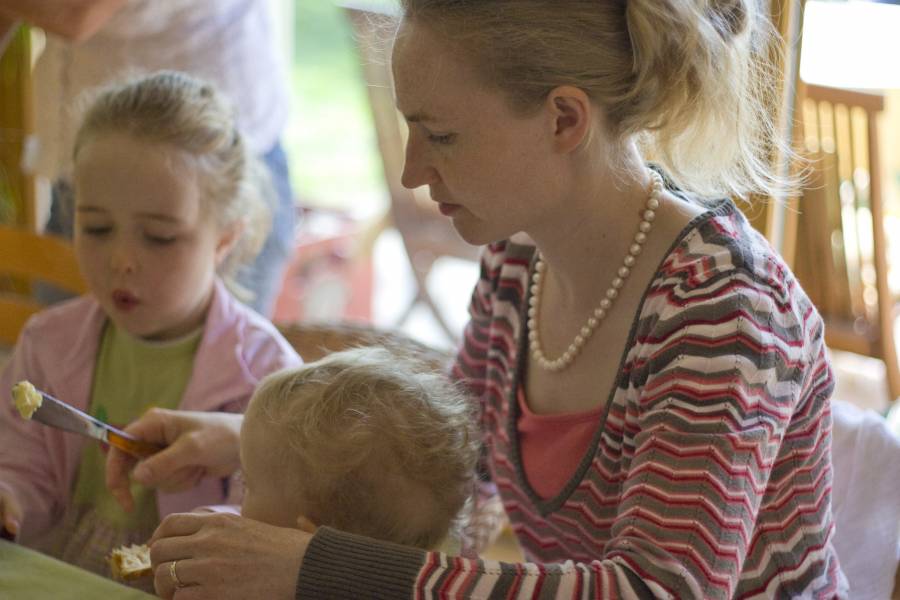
17,189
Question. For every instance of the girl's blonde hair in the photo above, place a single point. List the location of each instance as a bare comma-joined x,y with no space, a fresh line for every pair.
375,442
692,79
190,115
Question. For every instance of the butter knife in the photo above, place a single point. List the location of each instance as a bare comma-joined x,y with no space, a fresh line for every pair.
56,413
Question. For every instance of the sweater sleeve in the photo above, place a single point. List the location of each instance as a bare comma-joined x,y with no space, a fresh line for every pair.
25,462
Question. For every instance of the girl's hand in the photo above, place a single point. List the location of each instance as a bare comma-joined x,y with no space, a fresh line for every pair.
11,513
221,556
199,444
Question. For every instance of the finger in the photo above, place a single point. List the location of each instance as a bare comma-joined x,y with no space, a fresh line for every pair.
177,525
162,581
11,513
162,466
192,592
184,479
118,465
154,426
173,576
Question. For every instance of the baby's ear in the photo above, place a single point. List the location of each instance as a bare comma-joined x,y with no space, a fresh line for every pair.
306,525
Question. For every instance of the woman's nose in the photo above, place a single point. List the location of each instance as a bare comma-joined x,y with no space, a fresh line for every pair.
416,169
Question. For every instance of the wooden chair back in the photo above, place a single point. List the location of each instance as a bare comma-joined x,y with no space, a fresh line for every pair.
313,341
25,259
841,258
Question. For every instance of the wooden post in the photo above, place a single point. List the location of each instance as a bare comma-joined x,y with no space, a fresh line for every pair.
17,189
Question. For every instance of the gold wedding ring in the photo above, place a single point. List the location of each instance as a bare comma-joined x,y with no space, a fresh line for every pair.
174,574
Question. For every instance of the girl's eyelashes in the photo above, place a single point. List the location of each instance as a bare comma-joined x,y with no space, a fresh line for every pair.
159,240
96,231
442,139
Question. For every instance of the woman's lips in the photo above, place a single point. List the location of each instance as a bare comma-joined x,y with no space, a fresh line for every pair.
124,300
447,209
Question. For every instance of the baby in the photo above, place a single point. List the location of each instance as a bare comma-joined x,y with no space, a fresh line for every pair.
369,441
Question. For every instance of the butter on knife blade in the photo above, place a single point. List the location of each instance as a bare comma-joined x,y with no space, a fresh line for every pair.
26,398
41,407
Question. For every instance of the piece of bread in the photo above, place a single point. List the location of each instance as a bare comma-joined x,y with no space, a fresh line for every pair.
130,562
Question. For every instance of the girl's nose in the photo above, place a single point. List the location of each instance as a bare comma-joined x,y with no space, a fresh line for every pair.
416,169
123,259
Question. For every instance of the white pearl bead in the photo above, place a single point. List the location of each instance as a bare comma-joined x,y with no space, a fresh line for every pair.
586,331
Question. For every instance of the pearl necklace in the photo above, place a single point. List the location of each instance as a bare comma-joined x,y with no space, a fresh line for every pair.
534,303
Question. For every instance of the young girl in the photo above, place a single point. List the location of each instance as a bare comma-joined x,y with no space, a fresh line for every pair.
168,206
654,383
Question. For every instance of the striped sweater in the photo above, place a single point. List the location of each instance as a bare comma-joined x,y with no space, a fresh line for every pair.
709,476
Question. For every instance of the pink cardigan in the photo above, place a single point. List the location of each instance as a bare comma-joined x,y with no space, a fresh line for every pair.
57,352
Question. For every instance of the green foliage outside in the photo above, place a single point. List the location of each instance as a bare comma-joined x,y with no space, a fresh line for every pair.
330,140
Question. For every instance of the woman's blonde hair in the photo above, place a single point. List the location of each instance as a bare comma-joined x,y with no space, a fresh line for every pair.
190,115
692,79
376,442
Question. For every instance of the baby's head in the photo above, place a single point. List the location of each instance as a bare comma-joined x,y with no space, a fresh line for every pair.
167,196
369,441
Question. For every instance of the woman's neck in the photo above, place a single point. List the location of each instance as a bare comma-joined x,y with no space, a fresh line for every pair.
592,230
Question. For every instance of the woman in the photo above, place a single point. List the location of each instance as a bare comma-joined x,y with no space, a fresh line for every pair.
653,382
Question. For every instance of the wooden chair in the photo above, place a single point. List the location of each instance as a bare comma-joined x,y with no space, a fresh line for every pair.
426,234
26,258
313,341
841,257
17,188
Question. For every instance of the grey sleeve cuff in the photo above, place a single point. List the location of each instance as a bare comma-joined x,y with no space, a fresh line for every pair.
344,566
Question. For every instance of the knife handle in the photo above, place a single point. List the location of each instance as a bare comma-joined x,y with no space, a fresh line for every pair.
131,445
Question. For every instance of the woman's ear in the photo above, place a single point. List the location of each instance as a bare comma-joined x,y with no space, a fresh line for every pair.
572,115
228,238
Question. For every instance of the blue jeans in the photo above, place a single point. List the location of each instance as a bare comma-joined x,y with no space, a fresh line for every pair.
262,276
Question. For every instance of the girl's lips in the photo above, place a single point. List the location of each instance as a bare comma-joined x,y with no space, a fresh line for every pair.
447,209
124,301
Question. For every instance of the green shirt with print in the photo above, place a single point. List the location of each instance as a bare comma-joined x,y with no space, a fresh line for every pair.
131,376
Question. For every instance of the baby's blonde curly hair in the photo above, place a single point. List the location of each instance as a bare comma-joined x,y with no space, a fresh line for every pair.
376,442
691,80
